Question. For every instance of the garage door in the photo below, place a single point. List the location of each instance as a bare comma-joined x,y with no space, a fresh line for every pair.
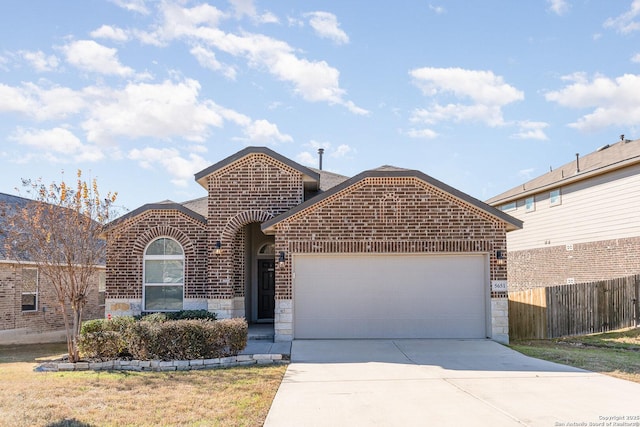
390,296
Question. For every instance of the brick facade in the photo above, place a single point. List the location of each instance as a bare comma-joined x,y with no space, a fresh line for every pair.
44,324
385,213
577,263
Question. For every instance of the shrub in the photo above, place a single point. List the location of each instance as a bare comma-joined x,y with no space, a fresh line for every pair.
177,315
187,339
105,338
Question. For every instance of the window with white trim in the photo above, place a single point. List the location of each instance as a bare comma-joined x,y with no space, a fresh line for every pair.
163,275
29,289
555,198
529,204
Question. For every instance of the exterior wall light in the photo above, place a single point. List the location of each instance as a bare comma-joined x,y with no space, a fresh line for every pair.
218,247
501,257
281,258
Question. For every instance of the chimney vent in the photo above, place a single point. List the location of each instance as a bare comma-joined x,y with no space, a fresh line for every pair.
320,153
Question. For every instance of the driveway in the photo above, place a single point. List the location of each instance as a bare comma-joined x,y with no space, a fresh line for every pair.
442,383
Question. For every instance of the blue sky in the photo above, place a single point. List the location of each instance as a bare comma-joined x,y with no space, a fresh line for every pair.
482,95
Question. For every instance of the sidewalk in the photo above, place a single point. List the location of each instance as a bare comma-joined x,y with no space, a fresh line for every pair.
261,341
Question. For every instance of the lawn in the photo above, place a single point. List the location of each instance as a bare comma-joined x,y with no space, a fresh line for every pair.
611,353
223,397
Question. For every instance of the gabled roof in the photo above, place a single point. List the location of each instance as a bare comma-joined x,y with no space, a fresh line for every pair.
605,159
8,202
167,205
393,172
309,176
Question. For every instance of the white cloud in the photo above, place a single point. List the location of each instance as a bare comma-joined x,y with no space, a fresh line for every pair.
531,130
133,5
526,173
246,7
163,110
111,33
422,133
626,23
636,58
57,144
90,56
40,60
326,25
314,81
343,150
306,158
41,103
559,7
263,131
614,101
207,59
3,63
179,167
439,10
487,92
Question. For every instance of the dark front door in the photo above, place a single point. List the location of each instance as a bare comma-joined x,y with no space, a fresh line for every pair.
266,288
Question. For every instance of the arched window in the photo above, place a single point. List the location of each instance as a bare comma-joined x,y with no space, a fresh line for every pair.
163,275
267,249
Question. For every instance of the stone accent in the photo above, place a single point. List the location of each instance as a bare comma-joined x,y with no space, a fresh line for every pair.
283,321
160,365
123,307
500,320
227,308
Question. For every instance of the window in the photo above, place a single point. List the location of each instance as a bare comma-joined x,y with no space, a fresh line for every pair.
529,204
555,198
29,289
102,287
508,207
163,275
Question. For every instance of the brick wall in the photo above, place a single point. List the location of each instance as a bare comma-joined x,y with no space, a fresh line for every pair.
127,242
389,215
253,189
48,316
583,262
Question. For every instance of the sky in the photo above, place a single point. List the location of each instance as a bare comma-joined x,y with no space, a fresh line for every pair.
141,95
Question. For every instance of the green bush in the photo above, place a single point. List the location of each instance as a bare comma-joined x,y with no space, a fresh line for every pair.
156,338
177,315
105,339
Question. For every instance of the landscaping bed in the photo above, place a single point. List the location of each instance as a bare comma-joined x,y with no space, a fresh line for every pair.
611,353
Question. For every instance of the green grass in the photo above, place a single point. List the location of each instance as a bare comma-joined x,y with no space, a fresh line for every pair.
611,353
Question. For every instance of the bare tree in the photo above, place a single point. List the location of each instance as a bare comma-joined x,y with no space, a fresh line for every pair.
60,232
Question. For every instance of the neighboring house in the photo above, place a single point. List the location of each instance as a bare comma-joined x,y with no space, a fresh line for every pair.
389,253
581,221
29,310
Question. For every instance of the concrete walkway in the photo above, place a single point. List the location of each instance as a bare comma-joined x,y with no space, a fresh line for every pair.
442,383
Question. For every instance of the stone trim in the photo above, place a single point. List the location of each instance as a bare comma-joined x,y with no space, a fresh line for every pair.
162,366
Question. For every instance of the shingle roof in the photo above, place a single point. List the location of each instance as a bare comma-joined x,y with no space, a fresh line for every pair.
167,205
603,160
7,203
386,171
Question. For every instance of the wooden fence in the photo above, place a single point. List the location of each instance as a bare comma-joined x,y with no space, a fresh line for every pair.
578,309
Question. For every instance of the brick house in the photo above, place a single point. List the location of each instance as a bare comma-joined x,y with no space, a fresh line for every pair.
389,253
581,220
29,310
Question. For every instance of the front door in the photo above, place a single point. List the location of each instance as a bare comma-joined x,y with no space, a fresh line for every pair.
266,288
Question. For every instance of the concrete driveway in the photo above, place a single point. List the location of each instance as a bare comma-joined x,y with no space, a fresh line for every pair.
442,383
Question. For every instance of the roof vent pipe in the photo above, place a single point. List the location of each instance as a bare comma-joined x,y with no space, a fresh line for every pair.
577,162
320,153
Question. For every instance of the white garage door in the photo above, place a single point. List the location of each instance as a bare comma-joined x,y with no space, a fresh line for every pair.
390,296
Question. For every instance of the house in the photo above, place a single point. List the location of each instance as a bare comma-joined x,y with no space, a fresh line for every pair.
581,220
29,309
389,253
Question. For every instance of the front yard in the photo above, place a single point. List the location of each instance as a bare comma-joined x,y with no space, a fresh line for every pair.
223,397
611,353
